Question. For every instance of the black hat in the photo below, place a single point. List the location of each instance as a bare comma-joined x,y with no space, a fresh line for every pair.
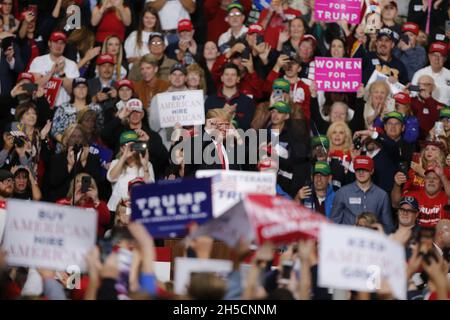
155,35
5,174
77,81
391,34
411,201
180,67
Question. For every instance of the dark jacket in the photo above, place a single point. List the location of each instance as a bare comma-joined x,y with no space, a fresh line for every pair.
8,76
394,67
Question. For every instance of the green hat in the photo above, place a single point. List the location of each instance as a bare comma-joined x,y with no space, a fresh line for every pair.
320,140
444,113
281,106
282,84
322,167
128,136
235,5
395,115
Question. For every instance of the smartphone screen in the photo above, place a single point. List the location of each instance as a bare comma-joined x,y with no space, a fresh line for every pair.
85,184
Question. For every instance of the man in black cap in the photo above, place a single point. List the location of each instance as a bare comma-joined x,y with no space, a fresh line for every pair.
177,78
407,213
382,59
6,184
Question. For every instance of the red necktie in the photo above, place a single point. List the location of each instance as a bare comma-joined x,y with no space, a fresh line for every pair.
220,155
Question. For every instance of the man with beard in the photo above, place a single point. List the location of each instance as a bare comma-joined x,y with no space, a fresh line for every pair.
382,59
362,196
6,191
432,198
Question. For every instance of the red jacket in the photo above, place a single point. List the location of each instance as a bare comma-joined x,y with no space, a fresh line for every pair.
250,84
215,16
103,214
427,112
300,93
276,24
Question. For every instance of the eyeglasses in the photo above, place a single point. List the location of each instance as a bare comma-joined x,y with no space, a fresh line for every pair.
407,210
235,14
157,43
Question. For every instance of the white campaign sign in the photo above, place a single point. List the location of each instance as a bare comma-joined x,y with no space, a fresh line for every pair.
184,107
229,186
185,266
355,258
44,235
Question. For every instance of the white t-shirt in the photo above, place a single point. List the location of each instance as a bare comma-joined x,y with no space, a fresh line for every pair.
120,186
226,36
131,48
442,81
43,65
172,12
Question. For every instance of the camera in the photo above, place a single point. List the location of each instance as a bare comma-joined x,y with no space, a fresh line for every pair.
357,143
19,142
140,147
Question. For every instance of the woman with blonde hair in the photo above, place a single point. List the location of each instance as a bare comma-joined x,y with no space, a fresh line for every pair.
378,103
340,137
113,46
195,79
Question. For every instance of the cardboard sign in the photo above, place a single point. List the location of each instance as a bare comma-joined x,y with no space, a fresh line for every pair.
264,218
44,235
184,107
166,207
338,74
52,89
338,10
355,258
185,266
229,186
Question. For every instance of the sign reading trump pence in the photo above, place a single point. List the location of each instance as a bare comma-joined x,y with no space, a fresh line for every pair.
44,235
183,107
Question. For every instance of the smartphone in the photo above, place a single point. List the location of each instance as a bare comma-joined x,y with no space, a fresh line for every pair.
439,129
29,87
414,88
447,26
106,89
33,8
245,54
278,95
85,184
139,147
6,43
403,167
405,38
286,269
259,39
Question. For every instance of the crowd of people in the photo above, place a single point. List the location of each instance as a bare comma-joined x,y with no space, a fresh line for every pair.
377,158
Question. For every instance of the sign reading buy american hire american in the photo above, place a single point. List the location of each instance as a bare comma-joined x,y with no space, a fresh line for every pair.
338,10
338,74
44,235
166,207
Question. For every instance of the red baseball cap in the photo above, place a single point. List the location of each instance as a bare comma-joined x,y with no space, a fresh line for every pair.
55,36
124,83
185,25
440,47
363,162
25,75
105,58
309,37
255,28
429,169
402,98
138,180
411,27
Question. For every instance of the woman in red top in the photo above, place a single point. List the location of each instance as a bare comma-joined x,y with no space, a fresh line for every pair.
89,199
110,17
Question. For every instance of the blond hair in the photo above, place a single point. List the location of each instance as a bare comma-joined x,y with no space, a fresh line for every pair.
348,135
218,113
196,68
119,55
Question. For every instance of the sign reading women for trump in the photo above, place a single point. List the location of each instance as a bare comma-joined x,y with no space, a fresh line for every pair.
183,107
166,207
354,258
338,74
338,10
44,235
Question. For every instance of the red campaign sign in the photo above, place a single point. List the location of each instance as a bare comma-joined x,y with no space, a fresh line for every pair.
280,220
52,89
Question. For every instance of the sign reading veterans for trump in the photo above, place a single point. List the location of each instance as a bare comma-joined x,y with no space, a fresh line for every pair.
166,207
183,107
338,74
229,186
338,10
353,258
44,235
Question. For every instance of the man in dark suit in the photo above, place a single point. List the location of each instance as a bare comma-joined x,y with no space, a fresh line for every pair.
10,66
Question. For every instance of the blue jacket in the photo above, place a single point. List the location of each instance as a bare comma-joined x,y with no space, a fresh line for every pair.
411,133
329,198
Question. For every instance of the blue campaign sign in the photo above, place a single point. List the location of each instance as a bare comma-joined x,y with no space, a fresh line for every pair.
167,206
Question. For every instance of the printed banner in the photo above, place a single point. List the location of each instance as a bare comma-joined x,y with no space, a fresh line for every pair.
167,206
184,107
354,258
338,74
52,89
229,186
45,235
338,10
